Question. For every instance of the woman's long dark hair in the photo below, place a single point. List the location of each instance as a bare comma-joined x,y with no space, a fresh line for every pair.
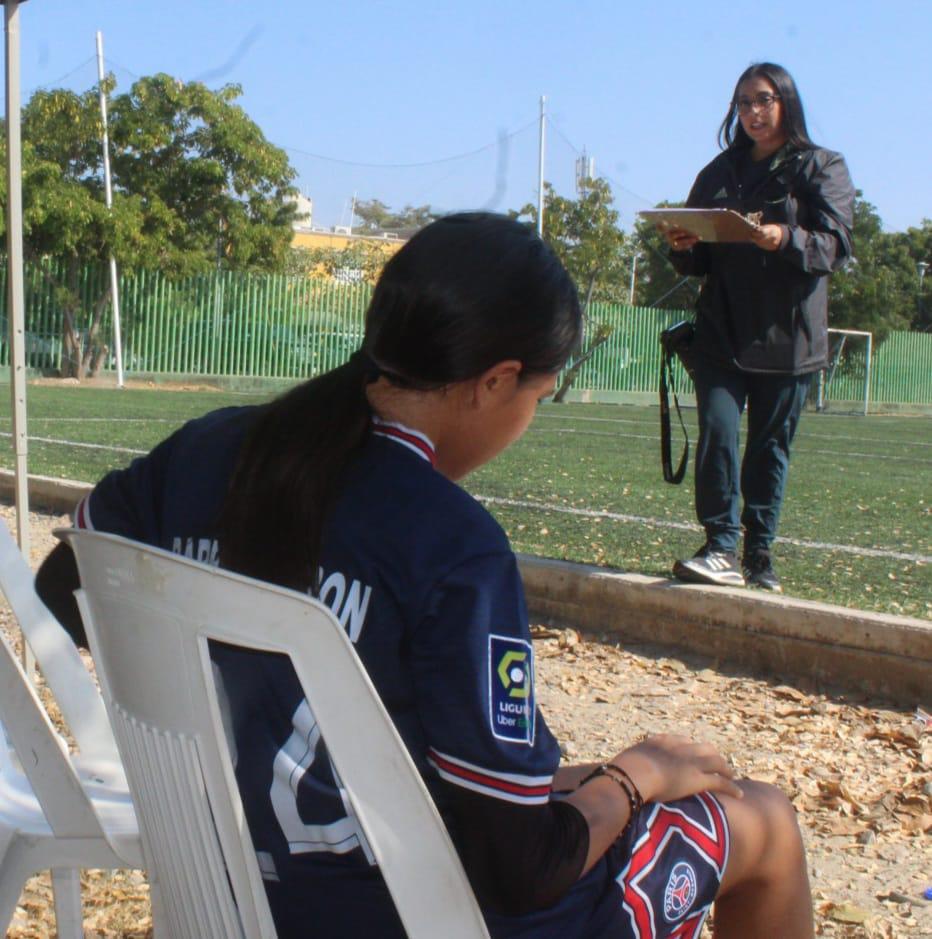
732,136
466,292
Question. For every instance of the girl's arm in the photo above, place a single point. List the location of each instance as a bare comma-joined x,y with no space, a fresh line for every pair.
663,768
56,581
522,858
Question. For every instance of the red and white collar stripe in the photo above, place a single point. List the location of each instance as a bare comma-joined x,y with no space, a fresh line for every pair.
82,514
414,440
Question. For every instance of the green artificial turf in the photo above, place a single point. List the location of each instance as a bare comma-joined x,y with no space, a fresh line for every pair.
855,483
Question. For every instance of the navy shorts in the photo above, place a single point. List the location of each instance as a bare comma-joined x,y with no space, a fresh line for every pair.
657,881
670,866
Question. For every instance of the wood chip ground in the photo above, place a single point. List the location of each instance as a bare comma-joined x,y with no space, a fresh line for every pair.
859,773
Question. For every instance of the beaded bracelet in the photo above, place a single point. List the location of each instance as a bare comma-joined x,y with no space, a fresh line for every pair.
635,800
635,792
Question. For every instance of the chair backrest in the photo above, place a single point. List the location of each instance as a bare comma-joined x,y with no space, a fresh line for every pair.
150,617
58,658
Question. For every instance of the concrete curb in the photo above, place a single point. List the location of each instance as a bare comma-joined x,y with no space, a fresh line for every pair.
45,492
831,645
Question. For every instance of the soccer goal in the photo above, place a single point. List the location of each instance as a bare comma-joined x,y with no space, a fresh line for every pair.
844,385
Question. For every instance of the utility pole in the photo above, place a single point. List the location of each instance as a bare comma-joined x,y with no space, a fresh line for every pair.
108,194
15,292
16,304
540,171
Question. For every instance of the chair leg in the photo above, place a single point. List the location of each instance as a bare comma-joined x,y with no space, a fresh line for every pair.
159,913
12,880
66,889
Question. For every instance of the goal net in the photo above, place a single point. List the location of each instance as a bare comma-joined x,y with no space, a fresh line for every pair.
844,385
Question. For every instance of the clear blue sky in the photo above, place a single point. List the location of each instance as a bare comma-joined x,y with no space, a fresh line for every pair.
642,86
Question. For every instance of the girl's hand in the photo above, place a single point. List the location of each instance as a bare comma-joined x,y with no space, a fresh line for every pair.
669,767
768,237
679,239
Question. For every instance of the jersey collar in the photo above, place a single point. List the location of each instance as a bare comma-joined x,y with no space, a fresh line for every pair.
414,440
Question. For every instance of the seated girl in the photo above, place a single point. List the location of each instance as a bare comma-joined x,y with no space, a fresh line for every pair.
346,487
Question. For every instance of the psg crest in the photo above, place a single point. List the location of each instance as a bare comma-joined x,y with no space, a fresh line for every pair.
680,892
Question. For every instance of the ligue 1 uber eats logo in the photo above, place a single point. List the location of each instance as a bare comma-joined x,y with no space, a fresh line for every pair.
511,696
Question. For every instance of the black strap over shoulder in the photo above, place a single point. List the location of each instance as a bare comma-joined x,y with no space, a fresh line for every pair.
674,341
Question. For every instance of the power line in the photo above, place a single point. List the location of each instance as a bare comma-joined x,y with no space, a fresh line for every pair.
58,81
123,68
447,159
612,180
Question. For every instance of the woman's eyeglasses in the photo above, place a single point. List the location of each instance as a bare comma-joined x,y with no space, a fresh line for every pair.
763,102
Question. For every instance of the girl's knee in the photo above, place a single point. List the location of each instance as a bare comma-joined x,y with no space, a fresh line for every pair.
765,838
772,810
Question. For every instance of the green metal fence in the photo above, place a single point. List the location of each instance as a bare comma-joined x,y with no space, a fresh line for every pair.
268,326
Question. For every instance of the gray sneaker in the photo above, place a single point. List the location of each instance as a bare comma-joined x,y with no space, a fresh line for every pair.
759,572
710,567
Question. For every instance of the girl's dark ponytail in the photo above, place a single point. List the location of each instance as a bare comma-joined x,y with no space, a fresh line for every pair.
287,473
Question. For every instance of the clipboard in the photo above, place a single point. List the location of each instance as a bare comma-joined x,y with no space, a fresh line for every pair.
705,224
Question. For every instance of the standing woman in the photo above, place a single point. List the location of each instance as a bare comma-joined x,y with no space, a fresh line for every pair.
345,486
761,325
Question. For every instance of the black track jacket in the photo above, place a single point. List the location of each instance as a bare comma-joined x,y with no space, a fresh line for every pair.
767,311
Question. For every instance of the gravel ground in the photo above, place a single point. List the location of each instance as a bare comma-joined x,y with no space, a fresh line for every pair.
858,771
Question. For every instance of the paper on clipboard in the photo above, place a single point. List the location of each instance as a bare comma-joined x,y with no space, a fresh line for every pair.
705,224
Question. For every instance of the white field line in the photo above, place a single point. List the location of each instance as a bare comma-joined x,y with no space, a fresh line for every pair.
802,435
804,449
86,446
103,420
692,526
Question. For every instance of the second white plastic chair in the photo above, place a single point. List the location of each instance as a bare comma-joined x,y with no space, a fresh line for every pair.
57,812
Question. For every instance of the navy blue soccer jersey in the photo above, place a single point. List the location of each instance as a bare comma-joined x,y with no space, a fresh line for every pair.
427,587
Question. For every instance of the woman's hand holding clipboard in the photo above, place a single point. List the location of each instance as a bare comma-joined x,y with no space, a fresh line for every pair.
703,225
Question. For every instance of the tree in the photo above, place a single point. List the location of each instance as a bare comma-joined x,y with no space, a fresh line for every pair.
584,234
358,261
196,186
378,218
918,243
876,291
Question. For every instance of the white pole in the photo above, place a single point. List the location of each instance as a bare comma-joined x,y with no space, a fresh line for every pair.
867,374
540,172
634,274
114,284
352,212
15,293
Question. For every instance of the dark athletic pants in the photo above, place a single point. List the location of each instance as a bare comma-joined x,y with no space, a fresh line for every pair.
774,403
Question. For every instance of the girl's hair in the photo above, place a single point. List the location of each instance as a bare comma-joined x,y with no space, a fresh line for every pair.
466,292
731,135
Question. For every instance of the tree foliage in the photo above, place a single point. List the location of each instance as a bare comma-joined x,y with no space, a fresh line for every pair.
584,234
358,261
377,218
878,289
196,186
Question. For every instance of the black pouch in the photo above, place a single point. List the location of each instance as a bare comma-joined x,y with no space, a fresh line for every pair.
675,341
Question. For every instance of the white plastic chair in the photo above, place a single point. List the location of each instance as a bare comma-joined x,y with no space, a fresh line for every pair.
57,812
150,616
